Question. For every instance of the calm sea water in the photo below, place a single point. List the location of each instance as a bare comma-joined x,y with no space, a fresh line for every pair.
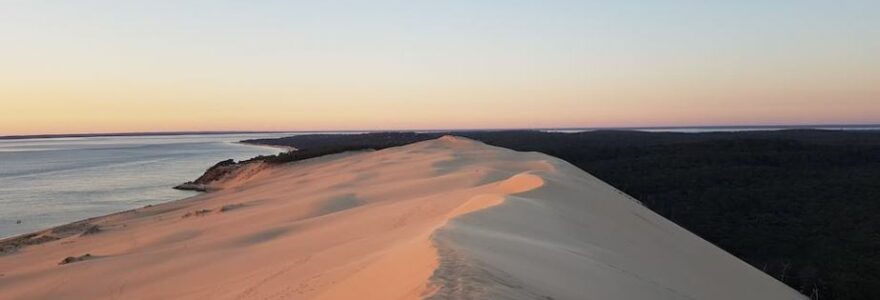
46,182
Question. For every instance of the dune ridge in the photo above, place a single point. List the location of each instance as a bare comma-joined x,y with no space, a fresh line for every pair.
449,218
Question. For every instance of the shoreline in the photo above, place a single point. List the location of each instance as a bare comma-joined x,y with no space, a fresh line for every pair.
198,192
75,227
32,223
94,218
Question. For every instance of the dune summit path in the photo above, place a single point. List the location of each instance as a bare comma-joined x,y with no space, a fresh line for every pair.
443,219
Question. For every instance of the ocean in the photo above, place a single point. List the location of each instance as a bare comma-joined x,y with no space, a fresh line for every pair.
54,181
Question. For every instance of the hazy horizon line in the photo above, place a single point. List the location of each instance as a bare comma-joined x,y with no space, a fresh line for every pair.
195,132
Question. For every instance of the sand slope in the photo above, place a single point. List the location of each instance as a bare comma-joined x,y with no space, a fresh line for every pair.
443,219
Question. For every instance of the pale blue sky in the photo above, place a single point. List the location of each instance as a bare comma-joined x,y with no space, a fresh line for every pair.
130,65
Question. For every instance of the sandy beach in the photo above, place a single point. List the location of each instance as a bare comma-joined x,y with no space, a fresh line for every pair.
449,218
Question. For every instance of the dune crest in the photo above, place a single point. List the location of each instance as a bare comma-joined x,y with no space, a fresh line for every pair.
448,218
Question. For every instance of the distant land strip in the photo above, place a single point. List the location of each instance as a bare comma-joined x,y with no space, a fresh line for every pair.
671,128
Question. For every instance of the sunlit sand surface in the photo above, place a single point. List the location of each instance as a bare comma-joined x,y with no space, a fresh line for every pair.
443,219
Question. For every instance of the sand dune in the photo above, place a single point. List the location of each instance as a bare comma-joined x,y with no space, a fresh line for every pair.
443,219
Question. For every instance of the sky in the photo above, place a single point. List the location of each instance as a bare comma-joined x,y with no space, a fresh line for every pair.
129,66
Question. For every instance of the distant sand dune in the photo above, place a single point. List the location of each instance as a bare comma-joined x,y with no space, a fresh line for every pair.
443,219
